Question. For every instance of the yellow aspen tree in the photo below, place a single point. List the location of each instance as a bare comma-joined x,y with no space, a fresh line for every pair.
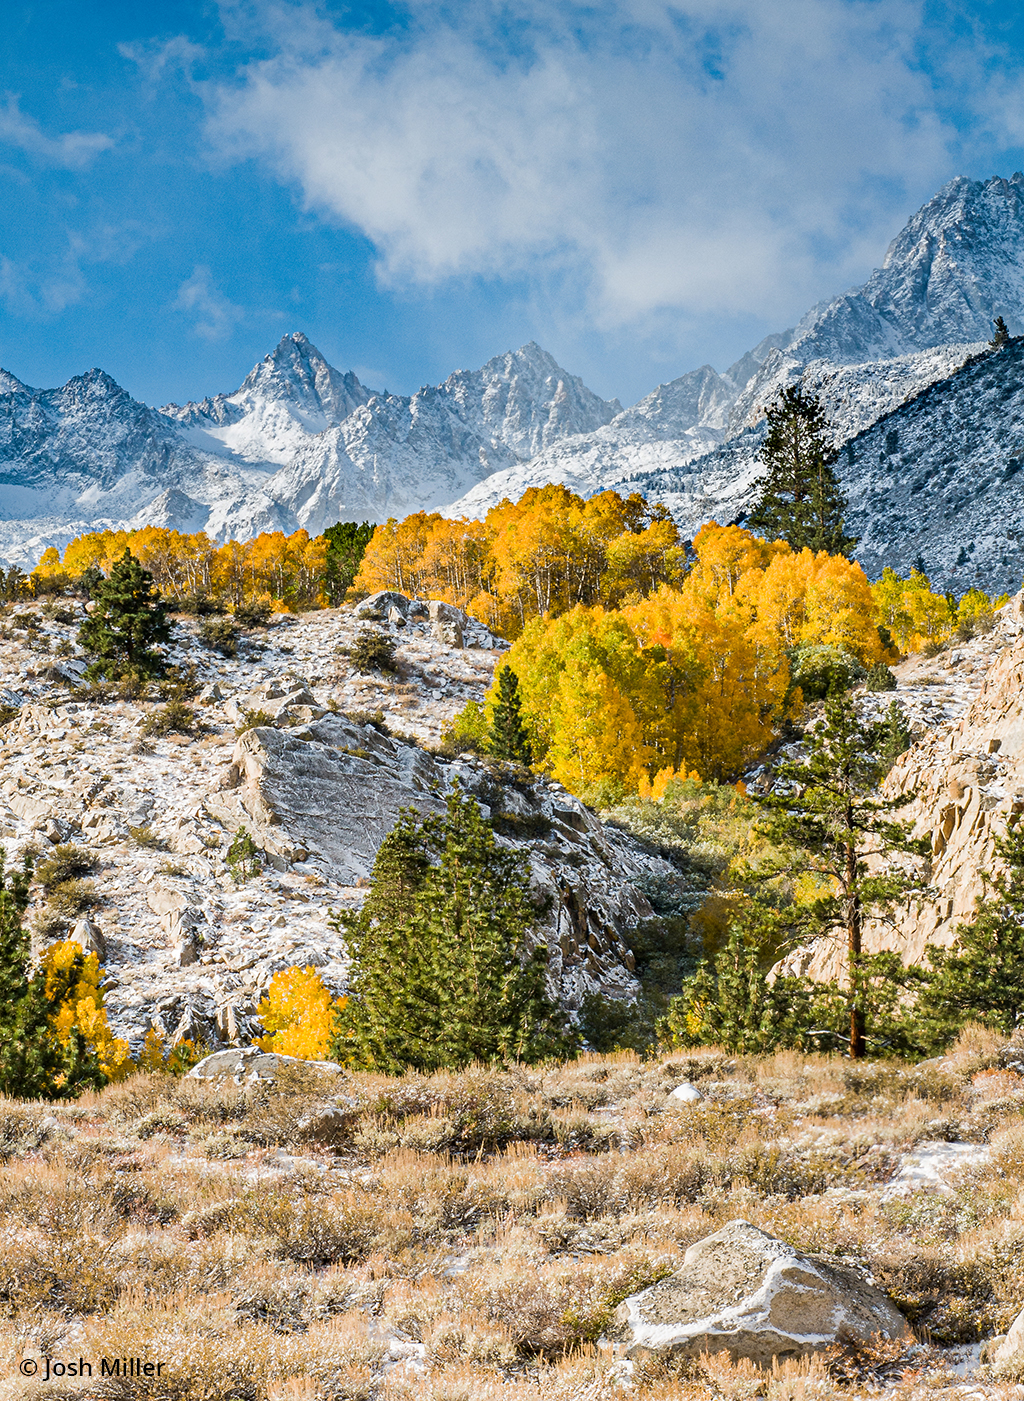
82,1009
298,1015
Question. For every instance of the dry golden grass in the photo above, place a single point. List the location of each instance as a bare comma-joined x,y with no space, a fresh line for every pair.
467,1236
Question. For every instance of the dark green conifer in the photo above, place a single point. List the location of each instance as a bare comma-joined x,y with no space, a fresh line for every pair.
441,974
508,738
33,1062
894,733
346,545
981,978
1000,334
127,625
800,499
730,1002
826,810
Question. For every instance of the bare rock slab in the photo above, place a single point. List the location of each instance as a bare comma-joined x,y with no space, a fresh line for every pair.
751,1295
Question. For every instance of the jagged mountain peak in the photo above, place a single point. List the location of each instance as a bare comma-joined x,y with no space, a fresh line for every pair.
297,373
10,384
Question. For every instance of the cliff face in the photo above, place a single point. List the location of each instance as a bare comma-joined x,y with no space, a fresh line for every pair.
968,781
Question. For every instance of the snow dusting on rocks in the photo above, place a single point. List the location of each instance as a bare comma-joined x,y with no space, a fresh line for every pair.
318,780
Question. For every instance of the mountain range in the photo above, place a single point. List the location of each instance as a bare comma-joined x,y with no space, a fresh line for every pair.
928,417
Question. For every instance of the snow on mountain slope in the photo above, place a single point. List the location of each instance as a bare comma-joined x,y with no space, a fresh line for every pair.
938,478
660,431
302,444
650,448
956,265
298,444
291,394
396,455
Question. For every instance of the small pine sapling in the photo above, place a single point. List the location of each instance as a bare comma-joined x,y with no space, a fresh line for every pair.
1000,334
244,858
128,624
880,678
981,976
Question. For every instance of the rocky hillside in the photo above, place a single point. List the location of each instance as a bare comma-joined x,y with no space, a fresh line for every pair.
319,781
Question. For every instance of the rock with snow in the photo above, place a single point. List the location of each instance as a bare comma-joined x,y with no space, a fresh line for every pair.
378,606
748,1294
685,1094
334,792
250,1066
89,938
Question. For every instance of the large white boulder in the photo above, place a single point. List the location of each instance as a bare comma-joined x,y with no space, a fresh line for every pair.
751,1295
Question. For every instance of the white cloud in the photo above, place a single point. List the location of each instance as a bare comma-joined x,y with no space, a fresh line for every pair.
215,316
705,156
73,150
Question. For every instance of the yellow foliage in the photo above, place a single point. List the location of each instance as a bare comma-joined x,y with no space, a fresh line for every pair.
82,1007
298,1014
918,618
286,570
175,1061
686,678
544,554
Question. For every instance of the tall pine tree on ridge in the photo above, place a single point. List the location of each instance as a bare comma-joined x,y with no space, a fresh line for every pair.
800,499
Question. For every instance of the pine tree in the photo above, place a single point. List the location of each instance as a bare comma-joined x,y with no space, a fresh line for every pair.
441,975
730,1002
34,1064
127,624
895,734
508,738
346,545
826,809
800,499
1001,334
982,976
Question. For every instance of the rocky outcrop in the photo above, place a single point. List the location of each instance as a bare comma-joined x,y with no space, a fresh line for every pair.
249,1065
751,1295
333,789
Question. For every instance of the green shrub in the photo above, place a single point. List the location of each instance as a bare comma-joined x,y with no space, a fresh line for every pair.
373,651
244,857
824,671
373,718
176,716
255,614
220,635
880,678
200,605
66,863
252,720
469,730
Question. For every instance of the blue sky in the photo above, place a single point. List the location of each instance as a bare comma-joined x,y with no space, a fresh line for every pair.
640,186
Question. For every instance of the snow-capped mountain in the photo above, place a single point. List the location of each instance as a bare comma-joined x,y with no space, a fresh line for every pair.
299,444
957,264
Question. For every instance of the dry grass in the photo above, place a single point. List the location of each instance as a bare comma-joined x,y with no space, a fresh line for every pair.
467,1236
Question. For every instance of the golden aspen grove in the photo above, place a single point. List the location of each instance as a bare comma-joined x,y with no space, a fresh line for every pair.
640,657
